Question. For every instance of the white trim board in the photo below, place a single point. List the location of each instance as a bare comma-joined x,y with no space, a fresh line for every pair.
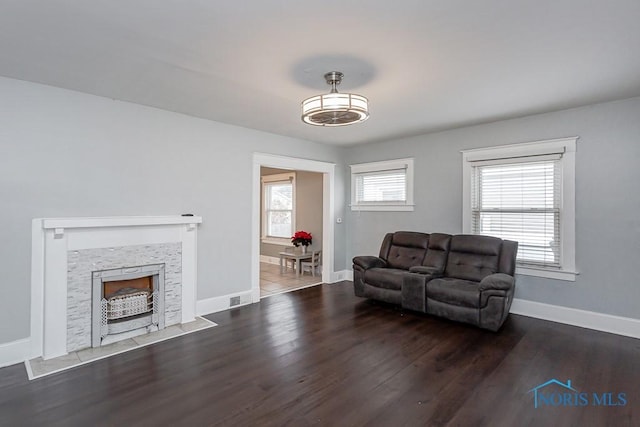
571,316
382,167
328,214
118,221
221,303
343,275
14,352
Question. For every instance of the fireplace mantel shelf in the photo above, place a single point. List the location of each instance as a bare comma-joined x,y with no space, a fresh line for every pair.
118,221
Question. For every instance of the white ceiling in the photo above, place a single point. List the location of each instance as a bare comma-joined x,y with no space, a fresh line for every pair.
425,65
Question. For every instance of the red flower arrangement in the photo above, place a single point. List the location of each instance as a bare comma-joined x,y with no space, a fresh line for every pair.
301,238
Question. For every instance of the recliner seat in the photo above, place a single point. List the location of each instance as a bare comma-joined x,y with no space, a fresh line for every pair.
381,277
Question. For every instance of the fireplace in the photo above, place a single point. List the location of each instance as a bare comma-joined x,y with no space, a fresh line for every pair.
126,302
148,264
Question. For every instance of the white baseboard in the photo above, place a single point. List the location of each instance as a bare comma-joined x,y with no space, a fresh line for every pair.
338,276
585,319
618,325
18,351
270,259
213,305
14,352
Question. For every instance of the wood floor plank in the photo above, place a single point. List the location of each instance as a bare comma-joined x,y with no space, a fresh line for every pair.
321,356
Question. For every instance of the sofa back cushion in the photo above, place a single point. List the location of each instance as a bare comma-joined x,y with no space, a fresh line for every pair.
507,262
438,251
473,257
404,249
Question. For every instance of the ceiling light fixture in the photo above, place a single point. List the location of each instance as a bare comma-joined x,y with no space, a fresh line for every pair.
335,109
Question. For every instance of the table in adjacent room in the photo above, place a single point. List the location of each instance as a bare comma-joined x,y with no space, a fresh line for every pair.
294,256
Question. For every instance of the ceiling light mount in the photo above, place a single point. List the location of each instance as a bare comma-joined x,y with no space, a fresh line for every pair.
334,78
335,109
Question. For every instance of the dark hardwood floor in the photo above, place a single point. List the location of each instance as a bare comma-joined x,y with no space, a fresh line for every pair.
321,356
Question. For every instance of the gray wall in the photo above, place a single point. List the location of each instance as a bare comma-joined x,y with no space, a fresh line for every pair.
607,198
308,208
309,205
67,154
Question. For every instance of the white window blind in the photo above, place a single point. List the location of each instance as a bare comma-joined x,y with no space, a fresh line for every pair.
520,199
381,187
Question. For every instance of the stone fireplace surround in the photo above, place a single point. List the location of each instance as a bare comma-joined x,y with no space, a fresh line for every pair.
55,241
84,265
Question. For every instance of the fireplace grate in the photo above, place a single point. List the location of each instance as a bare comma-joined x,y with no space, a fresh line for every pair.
128,304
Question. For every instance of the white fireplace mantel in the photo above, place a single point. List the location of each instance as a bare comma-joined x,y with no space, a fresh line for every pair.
118,221
52,238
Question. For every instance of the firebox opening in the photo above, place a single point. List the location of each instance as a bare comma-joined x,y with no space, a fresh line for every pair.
127,298
127,302
120,287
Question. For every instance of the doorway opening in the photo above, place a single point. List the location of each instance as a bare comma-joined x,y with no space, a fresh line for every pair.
290,202
298,196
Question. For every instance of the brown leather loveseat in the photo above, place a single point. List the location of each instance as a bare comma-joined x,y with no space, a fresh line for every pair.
467,278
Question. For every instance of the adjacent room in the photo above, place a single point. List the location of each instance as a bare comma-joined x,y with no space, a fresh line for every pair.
291,202
419,213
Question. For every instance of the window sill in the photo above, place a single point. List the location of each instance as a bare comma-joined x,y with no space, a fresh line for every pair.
276,241
387,208
569,276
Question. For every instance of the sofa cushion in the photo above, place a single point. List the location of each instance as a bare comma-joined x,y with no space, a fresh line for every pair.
459,292
404,258
438,251
387,278
473,257
411,239
407,249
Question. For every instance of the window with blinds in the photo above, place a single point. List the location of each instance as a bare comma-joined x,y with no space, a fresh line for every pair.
381,187
525,192
278,215
386,185
520,199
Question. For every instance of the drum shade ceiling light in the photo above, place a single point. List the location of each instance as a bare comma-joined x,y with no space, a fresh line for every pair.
335,109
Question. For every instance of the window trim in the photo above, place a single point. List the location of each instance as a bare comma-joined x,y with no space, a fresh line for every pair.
269,179
382,166
567,148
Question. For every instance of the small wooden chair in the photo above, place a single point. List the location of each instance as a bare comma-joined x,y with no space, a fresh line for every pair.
289,262
314,263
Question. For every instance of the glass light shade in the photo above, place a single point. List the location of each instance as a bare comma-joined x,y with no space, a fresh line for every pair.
335,109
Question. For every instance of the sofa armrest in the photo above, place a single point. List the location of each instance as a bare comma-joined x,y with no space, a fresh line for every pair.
432,271
497,281
367,262
414,291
